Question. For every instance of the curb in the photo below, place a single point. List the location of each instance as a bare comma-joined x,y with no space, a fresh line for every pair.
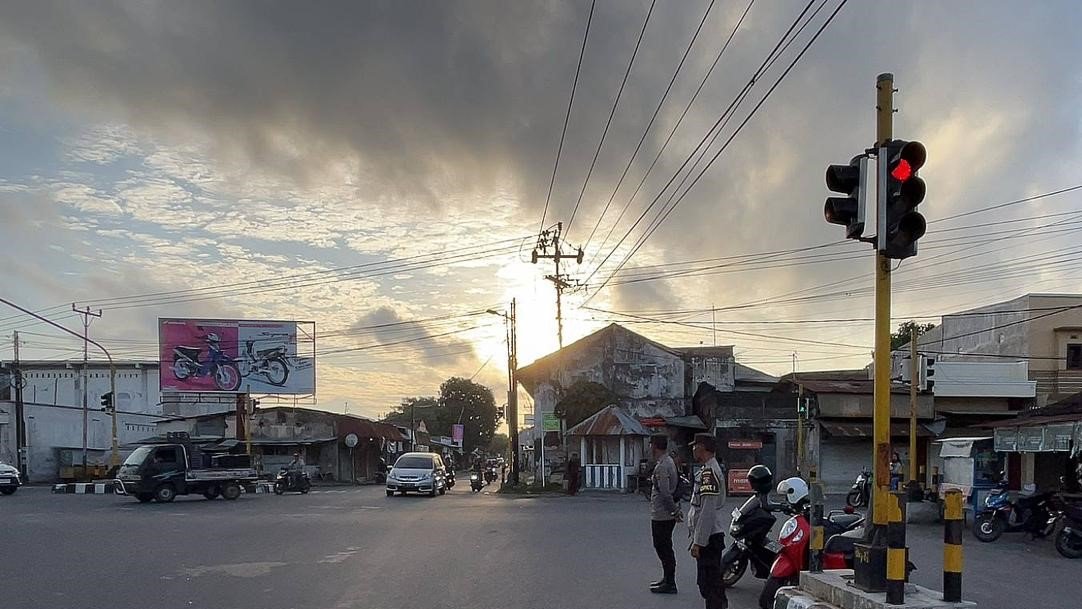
85,488
795,598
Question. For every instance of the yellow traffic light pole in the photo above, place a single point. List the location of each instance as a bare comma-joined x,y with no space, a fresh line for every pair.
881,416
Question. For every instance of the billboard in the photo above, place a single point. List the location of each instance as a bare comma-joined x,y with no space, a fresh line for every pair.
236,356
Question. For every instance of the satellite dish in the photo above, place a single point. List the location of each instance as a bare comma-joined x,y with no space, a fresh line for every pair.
351,440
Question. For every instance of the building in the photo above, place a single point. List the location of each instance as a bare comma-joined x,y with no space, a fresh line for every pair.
1048,441
53,414
321,437
1042,329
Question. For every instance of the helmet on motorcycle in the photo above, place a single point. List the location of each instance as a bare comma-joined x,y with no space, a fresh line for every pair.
760,478
794,489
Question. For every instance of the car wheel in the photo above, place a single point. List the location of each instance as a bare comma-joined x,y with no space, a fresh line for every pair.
165,493
390,493
231,491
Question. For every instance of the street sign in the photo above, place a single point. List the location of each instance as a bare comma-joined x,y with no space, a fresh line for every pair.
550,422
351,440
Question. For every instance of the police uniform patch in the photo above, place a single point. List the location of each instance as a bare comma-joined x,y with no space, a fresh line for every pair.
708,482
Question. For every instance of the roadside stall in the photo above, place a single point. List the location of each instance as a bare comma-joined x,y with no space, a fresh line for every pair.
970,465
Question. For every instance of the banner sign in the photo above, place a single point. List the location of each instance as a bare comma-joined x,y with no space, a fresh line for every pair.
457,431
234,356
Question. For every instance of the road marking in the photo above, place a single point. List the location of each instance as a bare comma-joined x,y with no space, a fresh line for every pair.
243,569
337,557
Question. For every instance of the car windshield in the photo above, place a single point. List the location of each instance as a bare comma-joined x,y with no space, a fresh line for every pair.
139,455
414,463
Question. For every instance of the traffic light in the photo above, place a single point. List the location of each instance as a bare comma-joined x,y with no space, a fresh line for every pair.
499,412
107,402
904,190
802,406
927,371
848,210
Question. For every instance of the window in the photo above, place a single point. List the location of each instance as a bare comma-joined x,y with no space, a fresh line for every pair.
1074,356
166,455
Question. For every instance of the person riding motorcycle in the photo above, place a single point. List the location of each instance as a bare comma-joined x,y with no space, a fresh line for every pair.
295,468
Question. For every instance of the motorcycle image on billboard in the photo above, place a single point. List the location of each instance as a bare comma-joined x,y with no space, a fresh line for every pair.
201,355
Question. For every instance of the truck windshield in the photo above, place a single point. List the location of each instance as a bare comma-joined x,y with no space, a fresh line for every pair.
140,455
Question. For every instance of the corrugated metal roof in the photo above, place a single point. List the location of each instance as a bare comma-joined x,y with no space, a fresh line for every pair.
690,422
839,429
609,421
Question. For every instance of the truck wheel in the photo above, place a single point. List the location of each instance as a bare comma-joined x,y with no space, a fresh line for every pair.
165,493
211,493
231,491
145,497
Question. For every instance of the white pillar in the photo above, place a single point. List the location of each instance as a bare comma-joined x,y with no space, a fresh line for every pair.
620,483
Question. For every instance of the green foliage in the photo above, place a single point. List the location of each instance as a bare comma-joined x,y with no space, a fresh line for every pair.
901,337
582,400
474,406
499,444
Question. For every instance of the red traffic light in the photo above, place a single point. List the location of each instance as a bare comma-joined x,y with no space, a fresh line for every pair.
902,171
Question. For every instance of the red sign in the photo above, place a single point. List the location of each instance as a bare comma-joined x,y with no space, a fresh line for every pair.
746,444
738,482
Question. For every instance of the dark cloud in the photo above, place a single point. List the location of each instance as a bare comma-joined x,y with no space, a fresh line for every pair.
434,346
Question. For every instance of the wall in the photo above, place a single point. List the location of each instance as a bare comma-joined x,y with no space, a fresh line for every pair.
713,369
862,405
136,388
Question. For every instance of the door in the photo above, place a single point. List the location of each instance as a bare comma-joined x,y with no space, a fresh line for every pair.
167,462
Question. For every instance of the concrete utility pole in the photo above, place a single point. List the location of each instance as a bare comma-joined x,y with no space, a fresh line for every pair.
548,248
85,380
20,423
914,372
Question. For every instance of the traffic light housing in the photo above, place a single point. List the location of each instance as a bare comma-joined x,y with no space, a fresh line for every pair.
848,211
902,225
499,412
927,373
107,402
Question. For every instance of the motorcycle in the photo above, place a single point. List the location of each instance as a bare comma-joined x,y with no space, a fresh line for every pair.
221,367
271,363
475,482
1069,540
858,495
490,475
1029,513
449,480
793,538
292,482
749,529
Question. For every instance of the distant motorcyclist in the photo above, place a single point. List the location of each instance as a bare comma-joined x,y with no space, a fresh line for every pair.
295,467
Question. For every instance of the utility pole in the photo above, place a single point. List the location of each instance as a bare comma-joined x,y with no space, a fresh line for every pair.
548,248
85,380
512,386
20,424
714,323
914,372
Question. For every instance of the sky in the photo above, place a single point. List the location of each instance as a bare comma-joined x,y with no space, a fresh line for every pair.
382,169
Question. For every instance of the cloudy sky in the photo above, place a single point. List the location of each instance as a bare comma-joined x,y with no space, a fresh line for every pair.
381,169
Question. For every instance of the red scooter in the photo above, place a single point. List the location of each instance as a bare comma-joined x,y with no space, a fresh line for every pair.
794,537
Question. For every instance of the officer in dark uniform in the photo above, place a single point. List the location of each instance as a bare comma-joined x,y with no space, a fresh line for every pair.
706,522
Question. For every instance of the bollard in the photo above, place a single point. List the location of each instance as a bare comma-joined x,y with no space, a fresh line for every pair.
815,544
952,547
896,549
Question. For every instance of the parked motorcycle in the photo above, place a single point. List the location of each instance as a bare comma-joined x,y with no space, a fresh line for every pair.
1069,540
221,367
476,484
292,482
271,363
793,538
1030,513
858,495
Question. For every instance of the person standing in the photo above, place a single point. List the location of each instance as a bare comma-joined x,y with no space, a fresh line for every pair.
664,513
706,522
895,471
574,473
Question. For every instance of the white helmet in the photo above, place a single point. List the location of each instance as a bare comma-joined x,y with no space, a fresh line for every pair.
794,489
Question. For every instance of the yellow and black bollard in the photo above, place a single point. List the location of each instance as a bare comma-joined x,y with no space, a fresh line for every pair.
952,547
896,554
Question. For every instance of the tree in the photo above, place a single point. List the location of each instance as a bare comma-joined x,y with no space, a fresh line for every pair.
582,400
902,336
427,409
473,405
499,443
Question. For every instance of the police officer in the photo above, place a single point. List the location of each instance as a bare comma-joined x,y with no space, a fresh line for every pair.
706,522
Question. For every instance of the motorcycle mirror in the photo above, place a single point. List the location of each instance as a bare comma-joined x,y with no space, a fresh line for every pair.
848,509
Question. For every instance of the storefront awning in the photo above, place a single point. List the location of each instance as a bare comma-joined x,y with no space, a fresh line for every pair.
845,429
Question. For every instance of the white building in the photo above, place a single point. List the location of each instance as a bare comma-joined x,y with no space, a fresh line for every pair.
53,412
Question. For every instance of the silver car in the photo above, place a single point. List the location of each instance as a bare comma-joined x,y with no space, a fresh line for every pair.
417,473
9,479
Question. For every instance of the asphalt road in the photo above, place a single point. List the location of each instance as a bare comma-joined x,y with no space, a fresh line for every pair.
357,548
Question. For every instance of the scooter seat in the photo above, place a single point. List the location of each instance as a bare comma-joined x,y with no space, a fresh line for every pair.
845,521
843,543
192,352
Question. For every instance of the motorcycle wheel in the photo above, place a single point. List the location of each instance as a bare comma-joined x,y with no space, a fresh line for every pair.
276,371
279,488
854,499
180,369
227,377
730,576
1068,545
987,528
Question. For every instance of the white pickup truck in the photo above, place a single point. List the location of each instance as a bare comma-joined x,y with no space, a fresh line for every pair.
162,471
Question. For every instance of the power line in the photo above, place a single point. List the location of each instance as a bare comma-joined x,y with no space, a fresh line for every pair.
567,117
612,113
1008,203
650,123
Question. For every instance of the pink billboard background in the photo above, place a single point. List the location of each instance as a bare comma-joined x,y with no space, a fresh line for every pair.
193,333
